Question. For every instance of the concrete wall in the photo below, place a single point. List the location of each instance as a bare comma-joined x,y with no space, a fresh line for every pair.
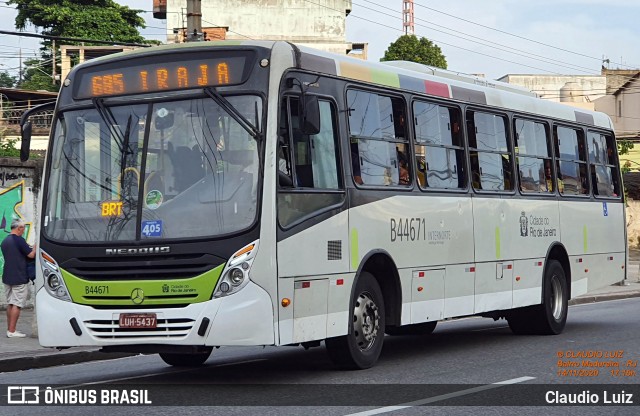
19,193
320,25
623,108
633,223
548,86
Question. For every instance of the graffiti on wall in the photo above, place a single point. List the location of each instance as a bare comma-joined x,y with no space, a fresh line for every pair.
10,200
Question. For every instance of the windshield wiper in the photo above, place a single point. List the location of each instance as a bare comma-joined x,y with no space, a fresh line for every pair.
109,120
233,112
125,153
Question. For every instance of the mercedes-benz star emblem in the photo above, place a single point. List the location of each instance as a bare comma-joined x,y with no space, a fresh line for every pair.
137,296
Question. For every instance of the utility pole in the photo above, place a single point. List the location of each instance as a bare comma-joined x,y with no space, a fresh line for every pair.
53,54
194,20
407,17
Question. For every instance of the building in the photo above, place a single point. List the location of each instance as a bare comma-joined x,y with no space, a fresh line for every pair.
577,90
318,24
614,93
72,55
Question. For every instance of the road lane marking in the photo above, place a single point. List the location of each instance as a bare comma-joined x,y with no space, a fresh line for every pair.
441,397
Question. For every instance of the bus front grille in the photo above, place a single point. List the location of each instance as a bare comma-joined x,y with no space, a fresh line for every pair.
166,328
142,268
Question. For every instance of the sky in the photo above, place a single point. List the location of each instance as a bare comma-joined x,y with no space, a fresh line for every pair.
490,37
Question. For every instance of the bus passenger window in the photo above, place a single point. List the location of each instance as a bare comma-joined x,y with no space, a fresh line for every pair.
572,169
307,162
604,174
378,135
489,150
533,149
439,147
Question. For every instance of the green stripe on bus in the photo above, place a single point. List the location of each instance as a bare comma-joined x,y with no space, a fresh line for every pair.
355,256
157,292
497,242
585,238
385,78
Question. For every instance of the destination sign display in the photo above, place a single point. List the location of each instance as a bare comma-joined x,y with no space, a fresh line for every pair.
172,72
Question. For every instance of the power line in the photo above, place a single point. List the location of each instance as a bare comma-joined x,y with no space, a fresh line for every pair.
514,35
103,42
438,41
478,40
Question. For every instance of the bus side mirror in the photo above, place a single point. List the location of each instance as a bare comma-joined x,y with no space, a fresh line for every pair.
310,115
26,126
25,147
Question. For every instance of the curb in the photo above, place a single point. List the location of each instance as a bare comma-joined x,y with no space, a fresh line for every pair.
605,296
18,362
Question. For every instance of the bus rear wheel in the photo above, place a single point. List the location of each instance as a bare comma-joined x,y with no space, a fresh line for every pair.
361,347
186,360
425,328
550,317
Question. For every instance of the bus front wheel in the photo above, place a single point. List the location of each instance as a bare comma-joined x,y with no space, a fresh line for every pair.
550,317
361,347
186,360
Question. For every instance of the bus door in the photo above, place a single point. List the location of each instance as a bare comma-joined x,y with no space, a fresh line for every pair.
312,250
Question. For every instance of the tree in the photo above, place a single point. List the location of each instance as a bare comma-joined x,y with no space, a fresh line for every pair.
103,20
37,76
6,80
88,19
410,48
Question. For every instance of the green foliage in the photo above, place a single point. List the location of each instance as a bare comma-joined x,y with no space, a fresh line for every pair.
88,19
410,48
37,76
624,146
8,146
103,20
6,80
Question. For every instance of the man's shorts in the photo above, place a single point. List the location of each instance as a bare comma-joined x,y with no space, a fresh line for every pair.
17,294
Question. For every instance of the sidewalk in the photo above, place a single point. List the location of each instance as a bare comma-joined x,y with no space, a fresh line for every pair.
25,353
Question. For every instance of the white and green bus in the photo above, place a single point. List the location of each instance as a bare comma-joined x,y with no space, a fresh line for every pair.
262,193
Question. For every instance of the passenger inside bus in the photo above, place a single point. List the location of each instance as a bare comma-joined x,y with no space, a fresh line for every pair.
355,163
547,184
403,172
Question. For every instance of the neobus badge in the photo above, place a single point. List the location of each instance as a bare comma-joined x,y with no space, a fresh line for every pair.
134,251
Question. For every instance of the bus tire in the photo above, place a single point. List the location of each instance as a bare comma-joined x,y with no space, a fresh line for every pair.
186,360
424,328
550,317
361,347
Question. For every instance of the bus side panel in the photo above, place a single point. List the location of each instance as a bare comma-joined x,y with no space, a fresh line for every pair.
459,290
597,259
533,227
318,255
527,284
323,248
427,295
418,232
491,291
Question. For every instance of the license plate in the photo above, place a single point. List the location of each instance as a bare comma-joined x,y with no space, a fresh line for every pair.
138,320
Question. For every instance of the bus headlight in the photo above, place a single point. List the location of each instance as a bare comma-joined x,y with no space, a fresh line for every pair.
236,274
53,282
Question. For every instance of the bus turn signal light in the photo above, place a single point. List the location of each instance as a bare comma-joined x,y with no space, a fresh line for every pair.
285,302
244,250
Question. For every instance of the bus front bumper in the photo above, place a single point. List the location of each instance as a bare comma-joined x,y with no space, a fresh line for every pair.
244,318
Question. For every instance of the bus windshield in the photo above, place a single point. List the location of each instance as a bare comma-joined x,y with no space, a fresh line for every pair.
166,170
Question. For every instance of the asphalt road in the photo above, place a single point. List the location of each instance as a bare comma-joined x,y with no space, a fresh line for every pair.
458,365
